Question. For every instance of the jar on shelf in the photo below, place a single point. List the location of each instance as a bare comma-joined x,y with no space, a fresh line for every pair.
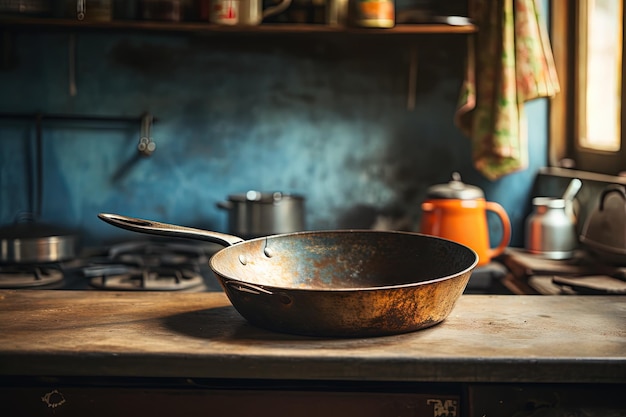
374,13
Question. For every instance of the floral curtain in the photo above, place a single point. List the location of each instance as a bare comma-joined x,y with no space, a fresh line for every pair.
509,62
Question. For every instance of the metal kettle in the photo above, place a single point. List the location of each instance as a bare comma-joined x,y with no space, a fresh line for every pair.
550,232
604,232
551,227
458,212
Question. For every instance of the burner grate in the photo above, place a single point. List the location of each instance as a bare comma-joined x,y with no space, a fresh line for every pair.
124,278
28,276
149,266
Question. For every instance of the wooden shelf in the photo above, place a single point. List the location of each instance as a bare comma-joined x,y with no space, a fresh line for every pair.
201,27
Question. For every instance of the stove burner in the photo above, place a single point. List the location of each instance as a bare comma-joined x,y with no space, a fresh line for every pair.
124,278
157,254
149,266
26,276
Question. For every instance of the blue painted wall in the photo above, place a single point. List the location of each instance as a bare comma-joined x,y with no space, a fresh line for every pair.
322,116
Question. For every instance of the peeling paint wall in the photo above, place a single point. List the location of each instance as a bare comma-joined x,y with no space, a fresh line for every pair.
322,116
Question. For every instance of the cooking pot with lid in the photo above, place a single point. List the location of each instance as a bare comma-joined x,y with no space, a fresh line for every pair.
458,212
35,242
255,213
604,232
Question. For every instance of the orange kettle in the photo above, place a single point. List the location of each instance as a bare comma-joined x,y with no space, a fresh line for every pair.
458,212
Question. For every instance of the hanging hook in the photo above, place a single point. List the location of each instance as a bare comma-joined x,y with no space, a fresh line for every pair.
38,189
81,9
146,145
412,80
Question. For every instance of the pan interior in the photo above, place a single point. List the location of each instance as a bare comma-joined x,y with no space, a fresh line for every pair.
342,260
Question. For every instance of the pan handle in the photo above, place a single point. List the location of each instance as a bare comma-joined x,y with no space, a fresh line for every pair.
248,288
165,229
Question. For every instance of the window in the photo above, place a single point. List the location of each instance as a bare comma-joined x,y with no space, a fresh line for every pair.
586,117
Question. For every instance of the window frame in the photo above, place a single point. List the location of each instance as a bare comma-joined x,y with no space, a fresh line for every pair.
564,150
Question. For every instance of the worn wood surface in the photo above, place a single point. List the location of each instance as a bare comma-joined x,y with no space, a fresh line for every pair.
486,338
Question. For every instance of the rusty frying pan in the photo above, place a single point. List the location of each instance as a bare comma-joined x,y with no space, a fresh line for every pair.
345,283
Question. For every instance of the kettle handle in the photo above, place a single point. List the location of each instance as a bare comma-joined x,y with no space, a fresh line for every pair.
506,228
610,189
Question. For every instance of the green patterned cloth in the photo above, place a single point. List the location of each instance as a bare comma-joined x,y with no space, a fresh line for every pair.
509,62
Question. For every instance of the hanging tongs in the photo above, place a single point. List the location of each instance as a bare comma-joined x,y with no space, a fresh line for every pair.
81,9
146,145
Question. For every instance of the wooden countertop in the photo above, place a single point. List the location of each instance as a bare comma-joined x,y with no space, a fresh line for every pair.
485,339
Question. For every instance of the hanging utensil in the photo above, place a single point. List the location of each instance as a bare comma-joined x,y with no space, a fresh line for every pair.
146,145
72,65
412,79
81,9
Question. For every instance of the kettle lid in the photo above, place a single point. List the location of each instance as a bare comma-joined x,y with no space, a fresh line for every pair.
455,189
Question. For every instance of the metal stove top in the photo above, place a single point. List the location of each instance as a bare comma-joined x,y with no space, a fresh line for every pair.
147,265
157,265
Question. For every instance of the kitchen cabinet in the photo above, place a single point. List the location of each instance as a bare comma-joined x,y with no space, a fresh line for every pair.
124,353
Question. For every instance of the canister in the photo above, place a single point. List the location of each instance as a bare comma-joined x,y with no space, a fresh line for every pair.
550,232
375,13
224,12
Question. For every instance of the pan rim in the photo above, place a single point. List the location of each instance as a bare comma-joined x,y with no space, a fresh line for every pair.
222,276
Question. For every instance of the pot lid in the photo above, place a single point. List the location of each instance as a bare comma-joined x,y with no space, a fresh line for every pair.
33,230
455,189
550,202
263,197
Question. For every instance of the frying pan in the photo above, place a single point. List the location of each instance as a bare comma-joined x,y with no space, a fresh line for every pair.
344,283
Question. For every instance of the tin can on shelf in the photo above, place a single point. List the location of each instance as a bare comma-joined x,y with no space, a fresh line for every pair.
375,13
224,12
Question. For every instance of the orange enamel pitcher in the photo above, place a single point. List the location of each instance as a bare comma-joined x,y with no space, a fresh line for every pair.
458,212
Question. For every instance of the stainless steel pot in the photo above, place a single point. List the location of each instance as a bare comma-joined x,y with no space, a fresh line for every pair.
22,243
345,283
255,213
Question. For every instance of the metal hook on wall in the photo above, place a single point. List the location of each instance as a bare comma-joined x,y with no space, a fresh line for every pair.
38,174
81,9
146,145
412,79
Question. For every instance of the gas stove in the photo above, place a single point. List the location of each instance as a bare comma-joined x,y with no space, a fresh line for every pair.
146,265
158,264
